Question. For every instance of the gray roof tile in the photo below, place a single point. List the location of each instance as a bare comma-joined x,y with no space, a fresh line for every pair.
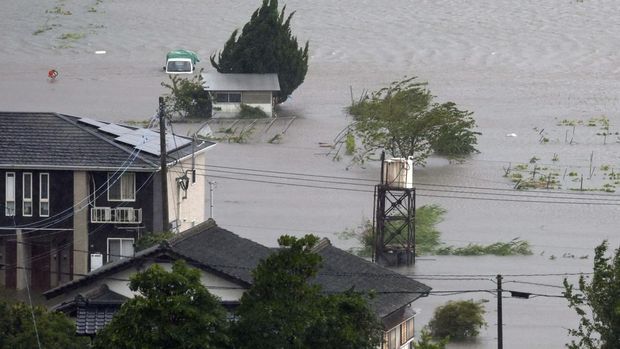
232,256
56,141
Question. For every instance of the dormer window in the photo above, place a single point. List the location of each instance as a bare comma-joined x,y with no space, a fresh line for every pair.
122,188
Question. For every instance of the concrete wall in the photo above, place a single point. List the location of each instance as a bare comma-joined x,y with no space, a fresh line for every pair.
80,224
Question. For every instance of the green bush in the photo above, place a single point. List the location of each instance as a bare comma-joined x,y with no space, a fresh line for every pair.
458,320
249,112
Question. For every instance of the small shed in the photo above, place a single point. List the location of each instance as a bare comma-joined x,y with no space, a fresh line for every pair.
229,91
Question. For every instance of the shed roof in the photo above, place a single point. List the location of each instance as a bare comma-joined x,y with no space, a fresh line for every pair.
58,141
214,81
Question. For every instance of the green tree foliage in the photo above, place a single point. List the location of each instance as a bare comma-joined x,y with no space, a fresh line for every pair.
427,236
187,98
458,320
426,341
266,45
55,330
152,239
403,120
597,302
283,310
173,310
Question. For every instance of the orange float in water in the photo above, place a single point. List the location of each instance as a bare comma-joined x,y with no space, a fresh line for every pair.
52,74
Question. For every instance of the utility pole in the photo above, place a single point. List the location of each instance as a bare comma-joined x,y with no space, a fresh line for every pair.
163,164
211,187
500,334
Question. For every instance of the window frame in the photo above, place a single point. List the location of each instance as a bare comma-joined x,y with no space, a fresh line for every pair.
120,257
26,199
228,94
119,182
6,195
406,332
43,200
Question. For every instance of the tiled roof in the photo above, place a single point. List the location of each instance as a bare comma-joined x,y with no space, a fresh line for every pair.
56,141
342,271
93,310
93,317
220,250
234,257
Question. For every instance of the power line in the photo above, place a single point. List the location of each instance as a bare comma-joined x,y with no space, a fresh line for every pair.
214,168
422,195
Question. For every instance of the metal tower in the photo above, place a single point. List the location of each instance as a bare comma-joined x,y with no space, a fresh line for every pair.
394,214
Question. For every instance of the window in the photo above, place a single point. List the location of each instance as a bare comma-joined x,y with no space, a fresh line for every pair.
27,195
119,249
228,97
389,339
123,188
44,194
9,205
234,97
406,331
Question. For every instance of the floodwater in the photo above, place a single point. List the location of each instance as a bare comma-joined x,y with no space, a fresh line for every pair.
520,66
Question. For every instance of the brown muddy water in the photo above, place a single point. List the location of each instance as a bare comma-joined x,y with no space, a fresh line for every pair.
521,66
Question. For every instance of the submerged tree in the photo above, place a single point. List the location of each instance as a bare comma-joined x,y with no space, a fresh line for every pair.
173,310
597,302
458,320
187,98
403,120
266,45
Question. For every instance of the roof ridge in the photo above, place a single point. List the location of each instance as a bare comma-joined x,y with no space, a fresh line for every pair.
321,245
195,230
65,117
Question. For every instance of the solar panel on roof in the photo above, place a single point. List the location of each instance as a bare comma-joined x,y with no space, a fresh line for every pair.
116,130
92,122
151,148
176,141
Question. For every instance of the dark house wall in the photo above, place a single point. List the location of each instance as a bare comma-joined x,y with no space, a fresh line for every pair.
100,232
61,199
46,241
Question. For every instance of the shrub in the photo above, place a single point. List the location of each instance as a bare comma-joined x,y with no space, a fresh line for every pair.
249,112
458,320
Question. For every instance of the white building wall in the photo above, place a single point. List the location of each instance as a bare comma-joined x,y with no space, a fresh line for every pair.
119,283
253,101
188,211
236,107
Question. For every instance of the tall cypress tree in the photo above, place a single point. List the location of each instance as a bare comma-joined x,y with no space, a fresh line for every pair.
266,45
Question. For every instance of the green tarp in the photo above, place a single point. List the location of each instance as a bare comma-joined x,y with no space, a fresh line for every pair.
183,54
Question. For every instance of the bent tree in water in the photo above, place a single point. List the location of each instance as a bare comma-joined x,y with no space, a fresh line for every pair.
403,120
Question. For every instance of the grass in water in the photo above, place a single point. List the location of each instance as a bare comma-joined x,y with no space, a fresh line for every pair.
428,238
72,36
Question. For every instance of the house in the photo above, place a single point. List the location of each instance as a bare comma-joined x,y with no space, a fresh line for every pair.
230,91
76,193
226,262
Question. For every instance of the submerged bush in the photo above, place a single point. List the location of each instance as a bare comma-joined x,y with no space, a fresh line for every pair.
512,248
249,112
458,320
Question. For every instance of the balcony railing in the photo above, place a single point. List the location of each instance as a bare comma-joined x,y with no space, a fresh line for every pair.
126,215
